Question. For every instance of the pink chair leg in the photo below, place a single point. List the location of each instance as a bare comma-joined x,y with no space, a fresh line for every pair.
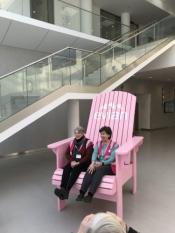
120,202
61,204
134,173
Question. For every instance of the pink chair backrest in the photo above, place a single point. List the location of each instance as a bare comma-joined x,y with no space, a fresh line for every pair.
115,109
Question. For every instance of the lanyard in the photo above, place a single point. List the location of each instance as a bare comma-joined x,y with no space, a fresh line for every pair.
107,151
73,145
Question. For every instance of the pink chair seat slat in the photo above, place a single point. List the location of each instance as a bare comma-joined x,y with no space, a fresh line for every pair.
103,185
107,181
108,188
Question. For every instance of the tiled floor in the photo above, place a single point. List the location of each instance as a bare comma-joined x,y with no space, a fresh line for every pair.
27,202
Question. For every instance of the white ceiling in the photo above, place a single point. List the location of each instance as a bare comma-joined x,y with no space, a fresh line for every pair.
163,75
167,5
23,32
142,12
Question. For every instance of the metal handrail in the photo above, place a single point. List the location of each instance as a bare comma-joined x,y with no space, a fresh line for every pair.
91,52
42,59
128,33
145,29
91,12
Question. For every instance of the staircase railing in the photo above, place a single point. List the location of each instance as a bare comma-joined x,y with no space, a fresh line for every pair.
71,66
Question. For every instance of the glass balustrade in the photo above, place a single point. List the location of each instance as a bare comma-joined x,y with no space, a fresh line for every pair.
72,66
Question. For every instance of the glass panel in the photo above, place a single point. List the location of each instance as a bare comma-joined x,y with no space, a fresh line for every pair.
92,70
40,84
74,66
32,85
65,14
60,70
111,25
15,6
13,95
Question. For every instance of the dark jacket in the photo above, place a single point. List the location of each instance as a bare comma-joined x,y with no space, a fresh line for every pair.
82,146
131,230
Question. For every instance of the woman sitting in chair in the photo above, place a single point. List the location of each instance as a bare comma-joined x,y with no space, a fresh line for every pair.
102,159
79,155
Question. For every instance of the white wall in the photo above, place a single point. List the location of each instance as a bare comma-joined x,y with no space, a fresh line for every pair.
158,119
49,128
144,111
164,61
13,58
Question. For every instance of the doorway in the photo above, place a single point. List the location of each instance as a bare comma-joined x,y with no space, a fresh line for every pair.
42,10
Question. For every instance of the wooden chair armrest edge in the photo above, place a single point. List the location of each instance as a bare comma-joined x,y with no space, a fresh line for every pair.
133,143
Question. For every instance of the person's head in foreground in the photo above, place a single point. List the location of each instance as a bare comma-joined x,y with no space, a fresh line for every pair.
102,223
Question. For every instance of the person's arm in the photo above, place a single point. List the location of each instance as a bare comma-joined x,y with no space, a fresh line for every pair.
111,159
95,153
67,155
88,154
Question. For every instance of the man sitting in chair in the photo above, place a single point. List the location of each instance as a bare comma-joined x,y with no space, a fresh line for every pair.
79,155
101,165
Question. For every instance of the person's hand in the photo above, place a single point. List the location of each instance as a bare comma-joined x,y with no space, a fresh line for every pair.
91,168
74,164
98,164
85,224
77,163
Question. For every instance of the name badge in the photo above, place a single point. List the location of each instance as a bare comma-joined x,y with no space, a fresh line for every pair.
78,156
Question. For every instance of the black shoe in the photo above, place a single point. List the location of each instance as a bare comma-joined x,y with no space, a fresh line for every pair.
88,198
80,197
64,193
58,193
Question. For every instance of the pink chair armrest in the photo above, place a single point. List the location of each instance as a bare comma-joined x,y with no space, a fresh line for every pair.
123,153
59,148
55,145
133,143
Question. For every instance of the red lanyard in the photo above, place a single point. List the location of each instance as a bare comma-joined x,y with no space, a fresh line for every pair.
73,145
107,151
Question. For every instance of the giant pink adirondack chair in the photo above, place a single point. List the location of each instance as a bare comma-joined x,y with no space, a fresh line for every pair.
115,109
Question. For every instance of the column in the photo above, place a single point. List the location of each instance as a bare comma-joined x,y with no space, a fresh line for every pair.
125,22
73,116
86,16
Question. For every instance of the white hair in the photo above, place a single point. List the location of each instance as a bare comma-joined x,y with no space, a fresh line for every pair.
80,129
105,223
